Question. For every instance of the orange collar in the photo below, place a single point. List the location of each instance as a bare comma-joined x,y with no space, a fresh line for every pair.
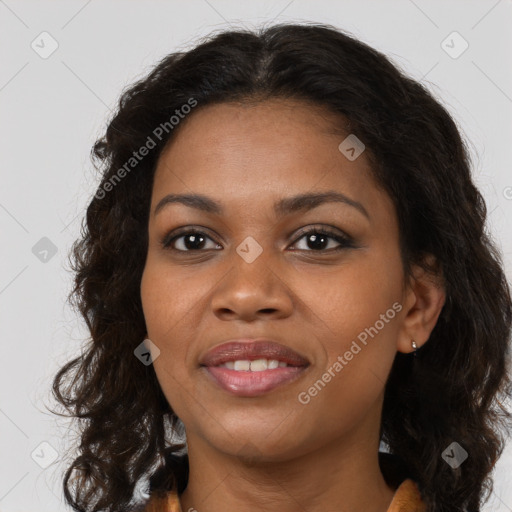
407,498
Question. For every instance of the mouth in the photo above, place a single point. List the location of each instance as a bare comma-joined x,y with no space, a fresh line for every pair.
252,367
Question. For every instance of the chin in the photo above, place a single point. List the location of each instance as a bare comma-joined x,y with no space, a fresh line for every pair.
257,448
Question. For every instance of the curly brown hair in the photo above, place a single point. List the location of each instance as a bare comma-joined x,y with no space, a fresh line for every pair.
452,391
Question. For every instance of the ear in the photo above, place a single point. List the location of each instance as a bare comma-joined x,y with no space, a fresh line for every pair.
424,299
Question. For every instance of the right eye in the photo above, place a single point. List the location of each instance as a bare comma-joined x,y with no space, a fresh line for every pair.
193,240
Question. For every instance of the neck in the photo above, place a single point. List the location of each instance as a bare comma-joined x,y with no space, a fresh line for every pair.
342,475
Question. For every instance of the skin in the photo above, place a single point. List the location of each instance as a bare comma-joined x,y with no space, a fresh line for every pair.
272,452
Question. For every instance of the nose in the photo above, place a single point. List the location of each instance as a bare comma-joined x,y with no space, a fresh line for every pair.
252,290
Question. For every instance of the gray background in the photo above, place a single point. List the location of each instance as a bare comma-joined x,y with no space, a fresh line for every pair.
53,108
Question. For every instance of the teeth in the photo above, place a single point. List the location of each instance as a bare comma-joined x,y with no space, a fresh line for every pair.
242,365
257,365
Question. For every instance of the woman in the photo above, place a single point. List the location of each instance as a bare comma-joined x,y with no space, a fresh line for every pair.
286,261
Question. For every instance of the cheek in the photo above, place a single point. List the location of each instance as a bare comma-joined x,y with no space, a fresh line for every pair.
172,302
354,297
358,349
359,313
171,298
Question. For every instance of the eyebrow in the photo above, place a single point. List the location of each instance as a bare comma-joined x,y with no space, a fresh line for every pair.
282,207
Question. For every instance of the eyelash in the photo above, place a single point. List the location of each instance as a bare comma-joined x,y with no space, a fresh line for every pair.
345,241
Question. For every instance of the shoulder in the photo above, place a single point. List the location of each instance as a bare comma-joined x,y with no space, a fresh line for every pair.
168,503
407,498
407,495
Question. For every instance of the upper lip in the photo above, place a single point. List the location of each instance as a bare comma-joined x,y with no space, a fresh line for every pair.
250,349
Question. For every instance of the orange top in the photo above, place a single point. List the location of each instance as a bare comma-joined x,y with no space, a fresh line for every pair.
407,498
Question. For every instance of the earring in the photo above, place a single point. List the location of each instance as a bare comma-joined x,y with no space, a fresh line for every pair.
415,347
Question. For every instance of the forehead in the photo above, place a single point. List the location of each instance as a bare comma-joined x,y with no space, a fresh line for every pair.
258,150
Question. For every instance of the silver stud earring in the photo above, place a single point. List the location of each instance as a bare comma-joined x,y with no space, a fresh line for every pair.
414,346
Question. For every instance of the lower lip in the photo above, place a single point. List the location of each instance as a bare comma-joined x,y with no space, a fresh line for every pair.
243,383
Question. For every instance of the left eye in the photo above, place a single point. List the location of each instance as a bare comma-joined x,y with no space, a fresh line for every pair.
318,238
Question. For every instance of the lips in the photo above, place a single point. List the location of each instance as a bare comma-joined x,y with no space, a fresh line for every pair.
251,349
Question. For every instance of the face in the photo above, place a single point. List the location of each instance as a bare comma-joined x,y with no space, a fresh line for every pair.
334,298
